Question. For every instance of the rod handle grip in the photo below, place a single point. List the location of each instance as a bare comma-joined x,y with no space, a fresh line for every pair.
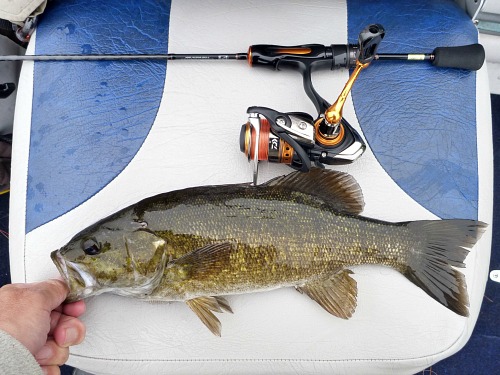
469,57
302,57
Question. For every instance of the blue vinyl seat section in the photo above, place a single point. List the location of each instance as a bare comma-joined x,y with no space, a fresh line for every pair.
89,119
419,120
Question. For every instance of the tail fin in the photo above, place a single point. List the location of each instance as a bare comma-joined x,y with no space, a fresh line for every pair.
445,243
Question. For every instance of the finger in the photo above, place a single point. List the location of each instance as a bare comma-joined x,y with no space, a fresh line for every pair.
52,354
74,309
69,331
51,370
54,320
71,309
53,291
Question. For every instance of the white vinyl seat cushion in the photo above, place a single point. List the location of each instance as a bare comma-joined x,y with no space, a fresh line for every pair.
92,138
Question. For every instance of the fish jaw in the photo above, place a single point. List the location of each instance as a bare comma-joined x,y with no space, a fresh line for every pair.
80,282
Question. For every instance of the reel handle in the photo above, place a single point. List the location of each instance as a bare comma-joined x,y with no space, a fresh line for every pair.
369,39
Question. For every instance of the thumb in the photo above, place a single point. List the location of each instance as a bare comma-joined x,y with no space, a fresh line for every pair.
54,292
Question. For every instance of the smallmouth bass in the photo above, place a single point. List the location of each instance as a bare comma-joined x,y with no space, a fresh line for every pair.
301,230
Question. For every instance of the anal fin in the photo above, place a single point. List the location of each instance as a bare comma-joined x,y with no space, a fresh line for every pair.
204,307
337,295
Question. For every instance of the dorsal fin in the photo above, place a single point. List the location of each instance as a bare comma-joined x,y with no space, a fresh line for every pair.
339,189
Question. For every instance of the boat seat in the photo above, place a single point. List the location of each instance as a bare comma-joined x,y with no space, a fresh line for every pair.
93,137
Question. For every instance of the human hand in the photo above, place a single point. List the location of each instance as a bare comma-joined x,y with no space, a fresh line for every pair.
35,315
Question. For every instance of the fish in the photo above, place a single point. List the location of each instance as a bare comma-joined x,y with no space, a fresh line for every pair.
302,230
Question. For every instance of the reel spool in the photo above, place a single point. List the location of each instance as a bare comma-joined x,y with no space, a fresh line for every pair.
257,142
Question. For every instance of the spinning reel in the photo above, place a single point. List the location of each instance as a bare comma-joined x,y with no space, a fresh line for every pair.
298,139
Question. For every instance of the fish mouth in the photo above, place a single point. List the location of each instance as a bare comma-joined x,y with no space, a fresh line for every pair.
81,283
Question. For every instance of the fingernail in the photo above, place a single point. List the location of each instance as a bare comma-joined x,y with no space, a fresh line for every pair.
71,336
44,353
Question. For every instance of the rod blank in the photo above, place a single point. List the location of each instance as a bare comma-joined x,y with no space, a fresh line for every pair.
168,56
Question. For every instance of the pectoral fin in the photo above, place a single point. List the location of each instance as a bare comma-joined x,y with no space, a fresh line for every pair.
336,295
207,259
203,307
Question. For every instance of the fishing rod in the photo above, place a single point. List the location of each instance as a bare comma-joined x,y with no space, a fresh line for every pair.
296,138
469,57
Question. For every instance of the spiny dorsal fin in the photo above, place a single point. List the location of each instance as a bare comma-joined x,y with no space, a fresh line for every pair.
336,295
203,307
337,188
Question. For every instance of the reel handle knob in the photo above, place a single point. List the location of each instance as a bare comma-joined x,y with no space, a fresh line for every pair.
369,40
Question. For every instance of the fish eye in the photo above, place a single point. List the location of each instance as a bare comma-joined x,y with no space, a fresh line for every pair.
91,247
